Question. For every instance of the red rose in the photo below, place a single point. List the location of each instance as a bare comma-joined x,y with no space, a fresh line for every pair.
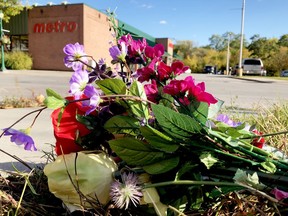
68,128
258,142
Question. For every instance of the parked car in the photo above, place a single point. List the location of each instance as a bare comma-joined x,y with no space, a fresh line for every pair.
284,73
209,69
253,66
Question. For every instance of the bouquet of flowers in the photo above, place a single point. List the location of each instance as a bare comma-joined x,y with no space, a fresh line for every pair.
144,138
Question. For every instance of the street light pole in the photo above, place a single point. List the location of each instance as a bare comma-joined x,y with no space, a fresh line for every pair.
2,45
240,70
228,55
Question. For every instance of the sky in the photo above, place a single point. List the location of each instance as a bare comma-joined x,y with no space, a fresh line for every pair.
195,20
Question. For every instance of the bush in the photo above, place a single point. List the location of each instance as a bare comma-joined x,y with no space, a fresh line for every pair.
18,61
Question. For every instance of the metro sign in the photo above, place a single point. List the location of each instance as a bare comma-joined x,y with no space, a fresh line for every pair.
58,26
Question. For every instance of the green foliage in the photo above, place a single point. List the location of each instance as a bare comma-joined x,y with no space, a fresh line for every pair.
18,61
11,8
273,52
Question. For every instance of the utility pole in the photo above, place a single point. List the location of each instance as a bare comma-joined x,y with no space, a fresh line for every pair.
228,55
2,45
240,70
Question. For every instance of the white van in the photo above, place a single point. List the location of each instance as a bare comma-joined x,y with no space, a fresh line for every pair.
253,66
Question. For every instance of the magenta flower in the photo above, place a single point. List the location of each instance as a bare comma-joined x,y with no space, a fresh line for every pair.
198,91
74,53
176,88
78,83
165,72
20,138
146,73
155,52
126,192
279,194
186,91
151,91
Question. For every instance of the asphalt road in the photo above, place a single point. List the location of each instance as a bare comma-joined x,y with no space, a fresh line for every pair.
242,92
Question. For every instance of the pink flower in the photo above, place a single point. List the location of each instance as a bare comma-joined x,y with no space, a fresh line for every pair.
165,72
198,91
147,73
154,52
151,91
186,90
279,195
176,88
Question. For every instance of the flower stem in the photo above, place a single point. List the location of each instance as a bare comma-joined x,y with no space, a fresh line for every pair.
190,182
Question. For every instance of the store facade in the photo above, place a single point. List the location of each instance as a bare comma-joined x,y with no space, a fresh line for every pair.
43,31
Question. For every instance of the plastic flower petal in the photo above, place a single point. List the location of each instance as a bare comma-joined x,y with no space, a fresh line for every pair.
67,129
20,138
122,194
78,83
225,119
279,194
151,91
94,98
260,141
118,54
74,52
92,174
198,91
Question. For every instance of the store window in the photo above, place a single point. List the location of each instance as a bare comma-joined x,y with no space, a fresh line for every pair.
18,43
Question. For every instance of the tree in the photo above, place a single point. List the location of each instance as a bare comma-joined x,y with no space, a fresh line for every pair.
283,41
220,43
183,48
262,47
10,8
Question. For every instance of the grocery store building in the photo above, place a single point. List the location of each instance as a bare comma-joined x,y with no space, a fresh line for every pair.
43,31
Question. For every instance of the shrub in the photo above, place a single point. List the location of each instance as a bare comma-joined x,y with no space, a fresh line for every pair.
18,60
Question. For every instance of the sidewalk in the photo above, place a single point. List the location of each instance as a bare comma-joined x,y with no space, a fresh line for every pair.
30,83
42,134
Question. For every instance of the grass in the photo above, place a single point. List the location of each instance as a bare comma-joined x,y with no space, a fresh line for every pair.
22,102
268,120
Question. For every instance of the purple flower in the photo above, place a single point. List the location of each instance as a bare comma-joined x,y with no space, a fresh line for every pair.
225,119
74,53
94,101
20,138
118,54
128,191
78,82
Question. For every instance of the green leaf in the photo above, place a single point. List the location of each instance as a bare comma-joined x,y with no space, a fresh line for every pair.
199,111
54,103
175,124
138,108
52,93
135,152
112,86
158,140
269,166
162,166
246,179
185,168
208,159
215,108
53,99
122,124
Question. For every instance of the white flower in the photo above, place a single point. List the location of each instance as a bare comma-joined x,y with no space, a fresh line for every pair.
128,191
